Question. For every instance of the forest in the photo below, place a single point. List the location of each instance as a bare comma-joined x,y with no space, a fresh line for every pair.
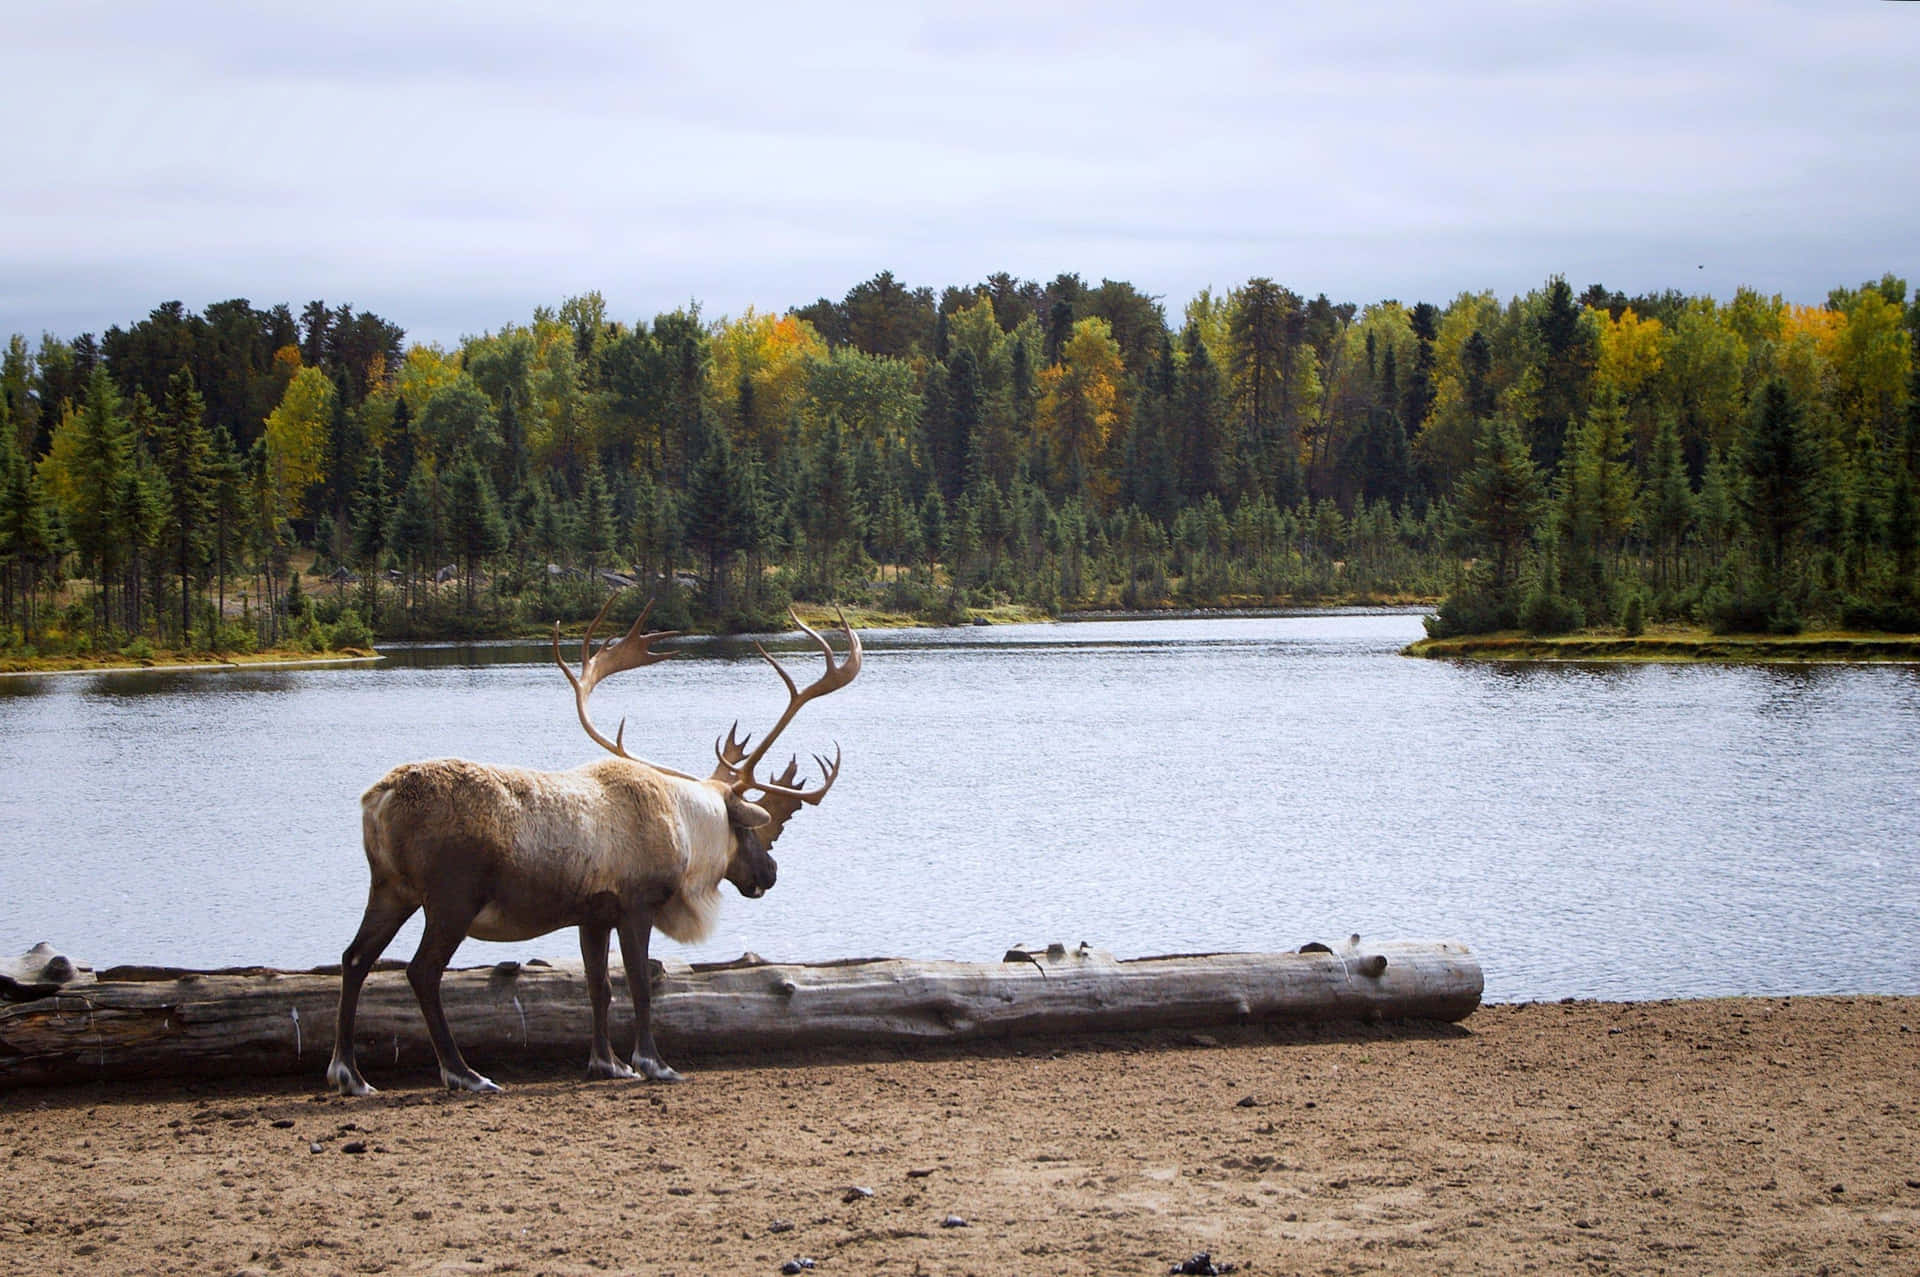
241,478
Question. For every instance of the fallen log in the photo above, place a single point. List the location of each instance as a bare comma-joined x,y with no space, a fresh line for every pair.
146,1022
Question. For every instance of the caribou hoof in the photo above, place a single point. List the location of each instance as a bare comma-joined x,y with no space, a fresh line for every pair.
470,1081
654,1070
608,1070
347,1080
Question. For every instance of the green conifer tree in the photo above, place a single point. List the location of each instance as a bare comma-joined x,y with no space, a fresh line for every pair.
476,528
1777,467
1499,499
183,451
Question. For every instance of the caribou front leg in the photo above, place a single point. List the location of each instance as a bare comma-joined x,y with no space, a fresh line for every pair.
601,1062
636,929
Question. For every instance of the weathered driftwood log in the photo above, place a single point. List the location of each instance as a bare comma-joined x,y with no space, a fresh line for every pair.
135,1022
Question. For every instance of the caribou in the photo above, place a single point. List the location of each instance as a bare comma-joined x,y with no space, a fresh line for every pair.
617,845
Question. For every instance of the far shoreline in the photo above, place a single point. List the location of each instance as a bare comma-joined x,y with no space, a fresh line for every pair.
814,614
203,663
1677,647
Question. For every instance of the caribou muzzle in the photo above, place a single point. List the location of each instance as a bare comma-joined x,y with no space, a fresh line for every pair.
753,871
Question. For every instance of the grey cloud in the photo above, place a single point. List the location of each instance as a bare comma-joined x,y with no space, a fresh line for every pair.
453,167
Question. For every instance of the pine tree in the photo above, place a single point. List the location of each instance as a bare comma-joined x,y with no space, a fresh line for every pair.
343,466
415,531
183,451
476,528
1594,503
372,514
1903,534
1417,402
139,515
1205,448
596,516
1777,467
102,463
1377,464
1476,369
955,454
28,538
1151,480
1666,501
833,516
1499,499
753,532
933,527
712,516
225,475
654,534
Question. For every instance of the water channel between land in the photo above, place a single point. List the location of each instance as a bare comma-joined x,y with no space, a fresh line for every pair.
1633,831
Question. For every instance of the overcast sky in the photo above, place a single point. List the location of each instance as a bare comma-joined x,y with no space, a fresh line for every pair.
452,166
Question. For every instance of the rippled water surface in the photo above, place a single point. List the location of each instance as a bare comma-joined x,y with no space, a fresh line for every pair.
1146,786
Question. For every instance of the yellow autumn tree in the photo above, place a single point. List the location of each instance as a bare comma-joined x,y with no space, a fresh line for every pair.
759,375
423,372
1632,352
1756,317
1079,409
1705,371
1631,357
1872,367
60,470
976,330
1463,387
296,436
1209,314
1803,353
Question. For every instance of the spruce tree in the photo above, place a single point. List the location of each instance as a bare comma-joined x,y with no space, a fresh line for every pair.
139,515
1666,501
416,530
1499,499
1903,534
28,537
956,457
372,514
1777,467
183,450
596,517
933,527
1595,498
1204,439
103,455
225,474
475,527
654,534
712,517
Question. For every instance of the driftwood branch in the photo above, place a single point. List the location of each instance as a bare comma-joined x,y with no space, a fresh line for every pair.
147,1022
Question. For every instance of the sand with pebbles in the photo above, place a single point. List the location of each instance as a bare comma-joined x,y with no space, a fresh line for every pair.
1687,1137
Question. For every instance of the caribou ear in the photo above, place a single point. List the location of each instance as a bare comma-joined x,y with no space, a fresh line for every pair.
747,815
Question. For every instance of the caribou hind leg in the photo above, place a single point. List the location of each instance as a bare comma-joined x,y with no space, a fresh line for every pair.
385,915
636,928
447,923
601,1062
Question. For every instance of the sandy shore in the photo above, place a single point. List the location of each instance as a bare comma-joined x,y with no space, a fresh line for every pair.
1721,1136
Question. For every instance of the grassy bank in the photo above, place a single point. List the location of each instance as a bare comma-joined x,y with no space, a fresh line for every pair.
1675,645
165,659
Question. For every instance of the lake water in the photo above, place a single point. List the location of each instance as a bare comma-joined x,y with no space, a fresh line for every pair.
1145,786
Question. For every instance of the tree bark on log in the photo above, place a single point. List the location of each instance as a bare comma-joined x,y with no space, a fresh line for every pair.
146,1022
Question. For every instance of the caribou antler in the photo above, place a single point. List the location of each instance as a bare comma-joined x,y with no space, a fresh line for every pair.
737,764
628,653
